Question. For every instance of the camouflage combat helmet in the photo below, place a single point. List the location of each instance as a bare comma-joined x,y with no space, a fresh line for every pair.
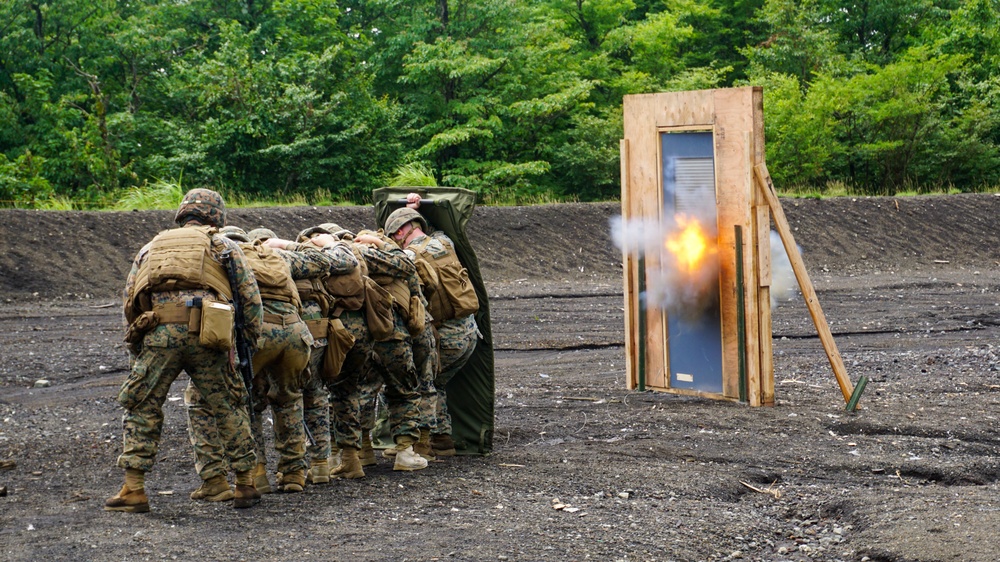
204,205
307,233
234,233
335,229
261,234
399,217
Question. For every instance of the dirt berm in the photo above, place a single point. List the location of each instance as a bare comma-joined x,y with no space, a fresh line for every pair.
582,468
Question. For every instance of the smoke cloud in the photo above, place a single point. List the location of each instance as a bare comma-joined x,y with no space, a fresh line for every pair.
670,284
689,293
784,286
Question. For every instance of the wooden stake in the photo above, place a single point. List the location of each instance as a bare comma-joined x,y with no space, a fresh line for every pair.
802,276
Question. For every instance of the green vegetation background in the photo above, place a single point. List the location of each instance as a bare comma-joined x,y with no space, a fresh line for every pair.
112,102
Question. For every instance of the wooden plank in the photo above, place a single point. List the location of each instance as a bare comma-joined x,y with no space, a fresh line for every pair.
645,202
734,188
676,109
802,276
750,281
762,221
698,393
629,282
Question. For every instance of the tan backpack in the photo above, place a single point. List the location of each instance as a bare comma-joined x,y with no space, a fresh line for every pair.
450,290
274,278
348,289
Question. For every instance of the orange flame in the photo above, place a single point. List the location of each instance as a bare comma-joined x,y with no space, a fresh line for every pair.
690,245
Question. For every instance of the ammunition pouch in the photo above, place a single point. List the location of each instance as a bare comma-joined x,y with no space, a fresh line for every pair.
417,320
216,325
138,329
340,341
378,311
318,328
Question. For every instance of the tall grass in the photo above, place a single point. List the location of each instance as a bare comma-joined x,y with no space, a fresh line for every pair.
414,174
160,194
526,199
57,203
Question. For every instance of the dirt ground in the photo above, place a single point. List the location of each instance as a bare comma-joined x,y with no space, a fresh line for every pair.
909,286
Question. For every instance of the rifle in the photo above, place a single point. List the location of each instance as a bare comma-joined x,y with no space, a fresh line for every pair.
244,352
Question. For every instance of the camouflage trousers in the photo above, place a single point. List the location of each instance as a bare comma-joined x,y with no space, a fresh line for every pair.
166,351
398,373
356,383
428,364
456,341
316,404
278,366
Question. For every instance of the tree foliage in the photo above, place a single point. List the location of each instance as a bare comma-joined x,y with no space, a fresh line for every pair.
520,101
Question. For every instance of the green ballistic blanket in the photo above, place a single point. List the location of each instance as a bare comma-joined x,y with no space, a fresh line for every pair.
471,391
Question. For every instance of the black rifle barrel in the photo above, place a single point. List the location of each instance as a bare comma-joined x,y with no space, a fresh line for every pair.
244,352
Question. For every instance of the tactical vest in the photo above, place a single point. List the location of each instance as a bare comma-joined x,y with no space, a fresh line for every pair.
313,290
348,289
271,271
398,290
180,259
450,293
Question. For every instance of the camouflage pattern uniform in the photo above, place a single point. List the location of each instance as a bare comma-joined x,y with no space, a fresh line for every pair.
428,362
357,370
315,396
357,382
397,369
168,349
279,366
456,341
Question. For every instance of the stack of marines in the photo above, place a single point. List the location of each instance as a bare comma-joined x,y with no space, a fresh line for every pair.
333,318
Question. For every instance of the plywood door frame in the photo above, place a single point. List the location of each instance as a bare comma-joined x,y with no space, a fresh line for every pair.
741,135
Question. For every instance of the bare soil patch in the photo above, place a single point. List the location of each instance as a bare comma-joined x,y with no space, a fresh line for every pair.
582,468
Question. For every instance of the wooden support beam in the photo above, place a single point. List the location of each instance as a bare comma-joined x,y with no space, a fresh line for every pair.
763,180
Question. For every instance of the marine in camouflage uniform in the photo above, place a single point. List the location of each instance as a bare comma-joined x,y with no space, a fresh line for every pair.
315,402
279,364
315,394
456,337
398,371
426,360
160,293
357,378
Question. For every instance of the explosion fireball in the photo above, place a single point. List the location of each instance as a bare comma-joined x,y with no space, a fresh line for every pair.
689,244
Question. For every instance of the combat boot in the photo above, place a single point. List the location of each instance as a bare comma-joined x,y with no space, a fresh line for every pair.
406,459
215,489
246,495
350,466
132,497
443,445
260,479
294,481
319,472
334,455
423,446
367,454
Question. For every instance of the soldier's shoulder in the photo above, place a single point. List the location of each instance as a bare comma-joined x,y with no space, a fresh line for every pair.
223,243
144,250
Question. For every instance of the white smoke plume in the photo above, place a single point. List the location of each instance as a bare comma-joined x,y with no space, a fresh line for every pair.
689,293
670,286
784,286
